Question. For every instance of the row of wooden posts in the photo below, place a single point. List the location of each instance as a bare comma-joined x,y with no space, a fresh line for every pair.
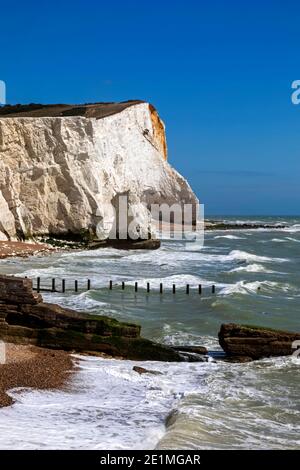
110,286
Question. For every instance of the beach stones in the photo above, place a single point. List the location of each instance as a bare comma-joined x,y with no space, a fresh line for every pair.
256,341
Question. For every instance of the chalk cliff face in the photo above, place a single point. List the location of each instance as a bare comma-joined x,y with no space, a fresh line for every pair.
58,173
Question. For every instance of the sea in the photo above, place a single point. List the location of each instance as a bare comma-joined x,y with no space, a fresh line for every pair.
190,405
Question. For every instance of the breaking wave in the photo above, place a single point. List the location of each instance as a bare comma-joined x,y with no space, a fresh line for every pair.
252,268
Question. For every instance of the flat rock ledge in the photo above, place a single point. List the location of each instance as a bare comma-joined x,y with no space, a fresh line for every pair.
26,319
127,244
255,342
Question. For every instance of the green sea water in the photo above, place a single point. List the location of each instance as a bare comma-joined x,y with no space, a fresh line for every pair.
213,405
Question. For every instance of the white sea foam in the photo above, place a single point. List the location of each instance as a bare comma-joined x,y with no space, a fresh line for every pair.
256,287
252,268
245,256
177,338
180,280
293,229
110,407
230,237
81,301
293,239
237,415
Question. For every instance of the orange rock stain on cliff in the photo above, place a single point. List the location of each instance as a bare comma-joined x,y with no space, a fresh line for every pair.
159,133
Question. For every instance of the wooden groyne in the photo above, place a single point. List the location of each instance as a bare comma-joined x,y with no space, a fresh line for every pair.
63,285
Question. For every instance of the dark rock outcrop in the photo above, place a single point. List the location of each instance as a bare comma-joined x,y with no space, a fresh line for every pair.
26,319
191,349
142,370
237,359
214,225
17,290
128,244
255,341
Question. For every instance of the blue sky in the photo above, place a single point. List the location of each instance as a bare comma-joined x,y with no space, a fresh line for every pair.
219,73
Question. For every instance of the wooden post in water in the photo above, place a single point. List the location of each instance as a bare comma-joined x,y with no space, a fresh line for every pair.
174,288
63,286
213,289
161,288
187,288
200,289
76,286
148,286
135,286
123,285
53,285
88,284
38,284
110,285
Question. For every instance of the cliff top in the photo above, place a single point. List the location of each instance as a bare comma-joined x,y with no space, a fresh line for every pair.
89,110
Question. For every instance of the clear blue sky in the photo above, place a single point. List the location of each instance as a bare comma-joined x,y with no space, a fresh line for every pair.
219,72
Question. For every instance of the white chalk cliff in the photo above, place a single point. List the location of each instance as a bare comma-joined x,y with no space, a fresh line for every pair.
58,173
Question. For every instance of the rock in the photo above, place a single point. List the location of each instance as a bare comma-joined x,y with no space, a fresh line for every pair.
171,418
141,370
192,357
151,244
255,341
63,167
213,225
26,319
18,290
192,353
238,359
191,349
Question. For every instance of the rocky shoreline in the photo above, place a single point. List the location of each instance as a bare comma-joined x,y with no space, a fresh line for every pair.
11,249
26,319
49,244
39,337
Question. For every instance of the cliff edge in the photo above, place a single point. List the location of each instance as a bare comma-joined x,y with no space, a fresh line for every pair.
60,165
